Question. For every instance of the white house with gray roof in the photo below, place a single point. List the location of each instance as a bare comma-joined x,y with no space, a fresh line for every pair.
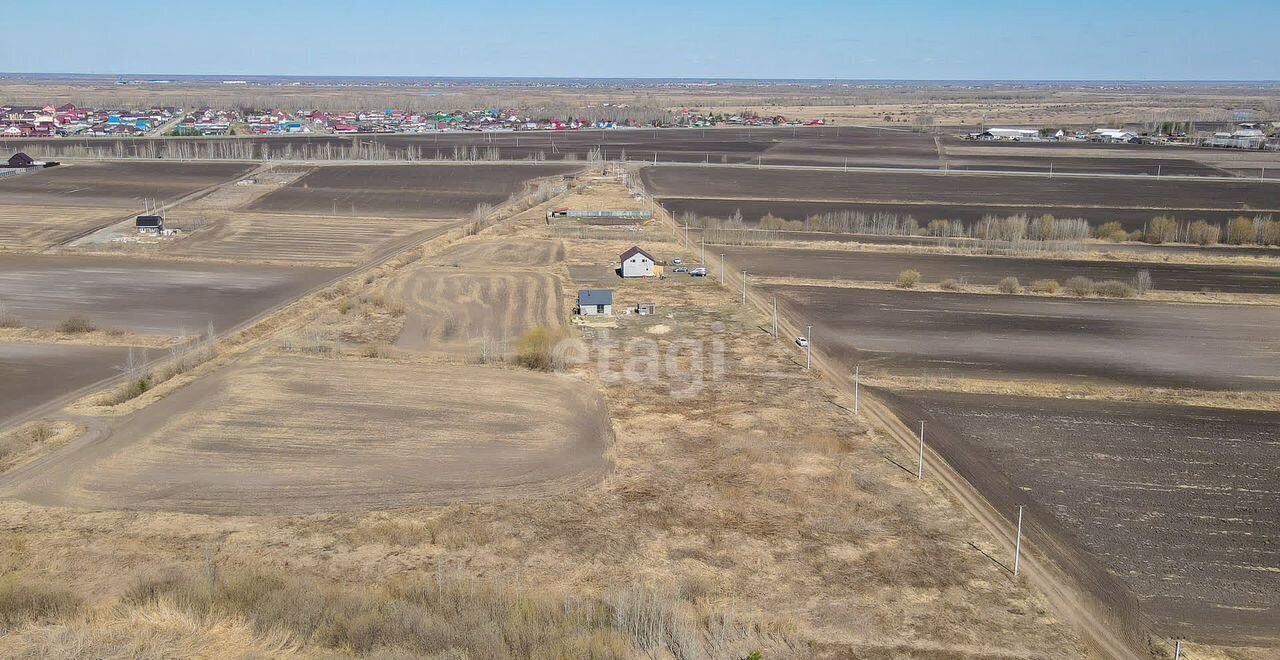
595,302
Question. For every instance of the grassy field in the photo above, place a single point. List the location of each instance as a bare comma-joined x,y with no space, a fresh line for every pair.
745,510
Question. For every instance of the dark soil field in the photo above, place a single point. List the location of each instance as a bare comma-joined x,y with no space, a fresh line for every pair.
32,374
117,184
972,190
1179,501
827,146
147,296
1211,251
885,266
421,191
1150,166
754,209
1021,337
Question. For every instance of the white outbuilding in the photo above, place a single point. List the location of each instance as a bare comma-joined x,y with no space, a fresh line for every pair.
637,263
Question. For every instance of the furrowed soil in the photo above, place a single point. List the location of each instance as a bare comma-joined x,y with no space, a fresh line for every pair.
403,191
885,267
1193,346
37,227
117,184
1179,500
291,435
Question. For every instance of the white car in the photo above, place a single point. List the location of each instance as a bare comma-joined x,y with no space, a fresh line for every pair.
698,272
676,261
802,342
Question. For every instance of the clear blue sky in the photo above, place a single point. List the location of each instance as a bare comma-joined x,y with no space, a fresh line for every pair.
921,39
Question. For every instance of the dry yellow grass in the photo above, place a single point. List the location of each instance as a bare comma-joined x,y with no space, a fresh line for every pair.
96,337
34,439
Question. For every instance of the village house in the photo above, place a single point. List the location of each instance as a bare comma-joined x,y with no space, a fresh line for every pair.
637,263
595,302
152,225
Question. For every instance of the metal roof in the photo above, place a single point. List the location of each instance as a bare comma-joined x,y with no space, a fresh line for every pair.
595,297
634,251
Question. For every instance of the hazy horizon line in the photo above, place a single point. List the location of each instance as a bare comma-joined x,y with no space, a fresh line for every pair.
239,76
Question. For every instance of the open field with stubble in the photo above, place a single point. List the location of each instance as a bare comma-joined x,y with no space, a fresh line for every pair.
273,237
25,227
475,313
1190,525
303,435
147,296
413,191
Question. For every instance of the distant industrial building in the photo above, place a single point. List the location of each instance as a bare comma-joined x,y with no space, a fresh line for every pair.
1246,136
1015,134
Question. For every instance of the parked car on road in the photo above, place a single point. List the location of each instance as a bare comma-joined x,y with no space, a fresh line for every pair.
679,269
698,272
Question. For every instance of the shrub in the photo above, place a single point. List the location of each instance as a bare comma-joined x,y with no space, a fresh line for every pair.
1045,286
536,349
76,324
1079,286
949,284
1112,231
1161,229
1114,289
1203,233
1142,282
907,279
1240,231
10,321
1009,285
374,350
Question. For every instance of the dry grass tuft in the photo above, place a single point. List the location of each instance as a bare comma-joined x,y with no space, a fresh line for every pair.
1079,286
24,602
907,279
75,325
1045,286
1009,285
1114,289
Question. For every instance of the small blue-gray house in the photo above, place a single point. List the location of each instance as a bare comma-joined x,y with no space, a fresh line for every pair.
595,302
